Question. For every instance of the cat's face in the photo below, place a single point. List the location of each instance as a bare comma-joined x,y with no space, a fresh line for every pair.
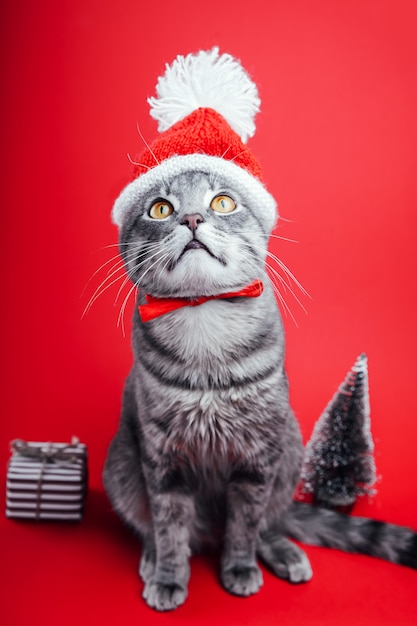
192,235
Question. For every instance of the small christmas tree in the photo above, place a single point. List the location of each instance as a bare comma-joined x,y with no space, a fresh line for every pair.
339,463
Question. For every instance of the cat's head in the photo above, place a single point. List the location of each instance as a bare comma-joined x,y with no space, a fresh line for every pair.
196,218
194,233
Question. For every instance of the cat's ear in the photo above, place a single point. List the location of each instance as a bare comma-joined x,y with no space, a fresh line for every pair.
209,80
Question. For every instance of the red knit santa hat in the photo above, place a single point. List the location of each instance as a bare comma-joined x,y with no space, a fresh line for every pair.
205,105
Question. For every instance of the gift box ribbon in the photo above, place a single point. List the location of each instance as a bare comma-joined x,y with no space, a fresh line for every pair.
52,453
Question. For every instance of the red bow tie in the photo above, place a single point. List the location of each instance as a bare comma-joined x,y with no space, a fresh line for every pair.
155,307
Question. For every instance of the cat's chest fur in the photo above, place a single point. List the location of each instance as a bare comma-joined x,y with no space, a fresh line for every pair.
210,429
208,372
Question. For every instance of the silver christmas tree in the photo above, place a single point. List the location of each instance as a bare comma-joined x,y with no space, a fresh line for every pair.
339,463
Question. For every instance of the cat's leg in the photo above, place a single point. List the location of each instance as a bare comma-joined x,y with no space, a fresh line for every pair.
165,566
124,481
125,486
246,497
283,557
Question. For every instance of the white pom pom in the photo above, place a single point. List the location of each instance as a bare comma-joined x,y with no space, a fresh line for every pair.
206,79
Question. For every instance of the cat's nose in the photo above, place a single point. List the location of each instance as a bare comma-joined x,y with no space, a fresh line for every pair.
192,220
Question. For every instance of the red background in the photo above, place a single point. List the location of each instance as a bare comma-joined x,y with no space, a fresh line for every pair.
337,141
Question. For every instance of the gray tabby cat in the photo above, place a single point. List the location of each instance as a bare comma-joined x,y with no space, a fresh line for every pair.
208,449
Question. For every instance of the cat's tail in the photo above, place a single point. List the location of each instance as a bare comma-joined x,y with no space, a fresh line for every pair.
321,527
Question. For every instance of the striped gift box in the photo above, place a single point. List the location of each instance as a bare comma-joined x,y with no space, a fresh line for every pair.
46,481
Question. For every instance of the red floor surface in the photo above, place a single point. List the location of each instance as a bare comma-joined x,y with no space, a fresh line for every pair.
337,140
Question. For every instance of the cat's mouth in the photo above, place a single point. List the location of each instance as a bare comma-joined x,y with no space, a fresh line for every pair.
195,244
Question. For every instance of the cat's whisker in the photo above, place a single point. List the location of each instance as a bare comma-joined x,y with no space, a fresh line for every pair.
163,267
140,252
285,219
119,270
146,144
284,268
118,267
102,266
285,286
279,282
143,251
103,287
285,283
132,162
288,272
273,236
120,244
238,155
284,305
275,276
120,318
284,238
225,152
165,261
148,147
152,265
124,283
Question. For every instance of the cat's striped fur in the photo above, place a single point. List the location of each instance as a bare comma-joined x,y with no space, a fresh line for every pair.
208,449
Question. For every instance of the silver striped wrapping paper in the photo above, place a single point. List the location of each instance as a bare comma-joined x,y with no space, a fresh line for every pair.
46,481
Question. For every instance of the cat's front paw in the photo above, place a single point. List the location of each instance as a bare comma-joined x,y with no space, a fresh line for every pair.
242,580
164,597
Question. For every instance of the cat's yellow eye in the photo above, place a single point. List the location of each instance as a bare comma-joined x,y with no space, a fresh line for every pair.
161,209
223,204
